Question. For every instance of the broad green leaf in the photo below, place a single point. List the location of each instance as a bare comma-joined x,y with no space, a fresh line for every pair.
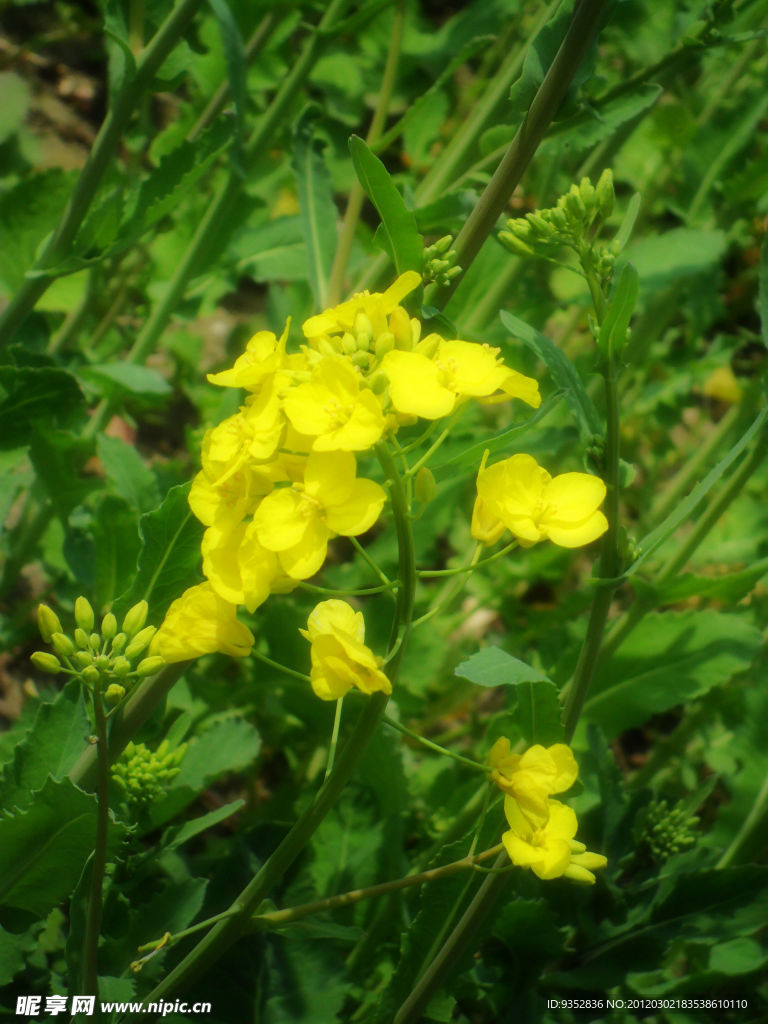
405,244
58,736
59,457
29,211
170,558
564,374
318,212
653,540
102,546
669,659
15,950
273,251
538,712
42,396
306,983
493,667
127,472
121,379
176,836
16,473
56,835
591,125
663,259
613,330
730,587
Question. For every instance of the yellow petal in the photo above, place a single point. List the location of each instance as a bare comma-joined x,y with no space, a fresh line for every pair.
576,535
280,520
572,497
414,385
329,477
359,511
304,559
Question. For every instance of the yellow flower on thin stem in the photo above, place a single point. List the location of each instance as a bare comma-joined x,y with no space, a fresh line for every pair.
297,522
519,495
365,312
201,622
532,777
550,851
340,658
264,356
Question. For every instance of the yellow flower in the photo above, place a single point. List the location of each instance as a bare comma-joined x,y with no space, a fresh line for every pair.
364,313
334,409
432,380
550,851
239,569
520,496
722,385
263,357
297,522
340,659
200,622
228,502
531,778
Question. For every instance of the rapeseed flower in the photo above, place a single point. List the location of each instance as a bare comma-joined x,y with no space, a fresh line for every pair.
519,495
264,356
531,778
549,850
201,622
340,658
362,319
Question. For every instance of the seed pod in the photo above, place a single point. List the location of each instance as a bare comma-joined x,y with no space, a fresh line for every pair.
47,622
84,616
62,645
108,626
135,618
46,662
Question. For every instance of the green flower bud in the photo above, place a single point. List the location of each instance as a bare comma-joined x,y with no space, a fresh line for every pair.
363,330
47,622
605,194
108,626
150,666
424,487
46,662
574,205
515,243
384,343
94,641
586,191
102,662
119,642
348,343
82,659
114,693
135,618
81,639
62,645
560,220
361,358
453,272
121,666
378,383
90,675
84,616
140,642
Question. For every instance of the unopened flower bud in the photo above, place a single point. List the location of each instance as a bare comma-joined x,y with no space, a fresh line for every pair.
363,330
82,659
150,666
46,662
587,191
605,193
120,666
140,642
94,641
428,347
400,327
119,642
62,645
114,693
90,675
81,639
348,343
84,616
442,245
135,618
384,343
102,662
361,358
108,626
560,219
47,622
424,486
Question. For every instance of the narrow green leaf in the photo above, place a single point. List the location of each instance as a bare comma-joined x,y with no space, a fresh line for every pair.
763,291
613,330
493,667
176,836
115,379
318,211
405,244
652,541
234,54
564,373
627,225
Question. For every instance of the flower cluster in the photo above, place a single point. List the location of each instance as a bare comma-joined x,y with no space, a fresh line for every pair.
541,834
340,659
109,659
142,774
280,479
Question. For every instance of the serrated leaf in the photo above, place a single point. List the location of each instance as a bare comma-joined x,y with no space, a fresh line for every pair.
493,667
57,738
405,244
318,211
592,124
127,473
538,713
43,396
170,559
55,836
175,837
234,54
564,374
121,379
102,546
668,659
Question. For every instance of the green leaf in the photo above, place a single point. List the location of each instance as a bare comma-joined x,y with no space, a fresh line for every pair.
16,474
538,713
663,259
538,58
170,558
564,374
234,54
685,509
176,836
669,659
56,835
128,474
273,251
730,587
493,667
31,396
58,457
15,950
405,244
763,291
116,380
613,330
591,125
627,225
58,736
102,546
29,211
318,211
306,982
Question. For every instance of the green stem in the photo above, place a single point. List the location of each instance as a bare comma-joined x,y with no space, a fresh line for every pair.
386,581
752,822
280,668
226,932
450,591
90,977
334,738
312,588
101,156
393,724
482,220
426,574
356,193
276,918
76,318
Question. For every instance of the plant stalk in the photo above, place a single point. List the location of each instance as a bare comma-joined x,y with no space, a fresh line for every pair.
90,974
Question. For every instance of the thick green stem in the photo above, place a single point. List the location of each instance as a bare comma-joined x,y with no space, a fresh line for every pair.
90,973
356,194
743,838
482,220
228,931
57,248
